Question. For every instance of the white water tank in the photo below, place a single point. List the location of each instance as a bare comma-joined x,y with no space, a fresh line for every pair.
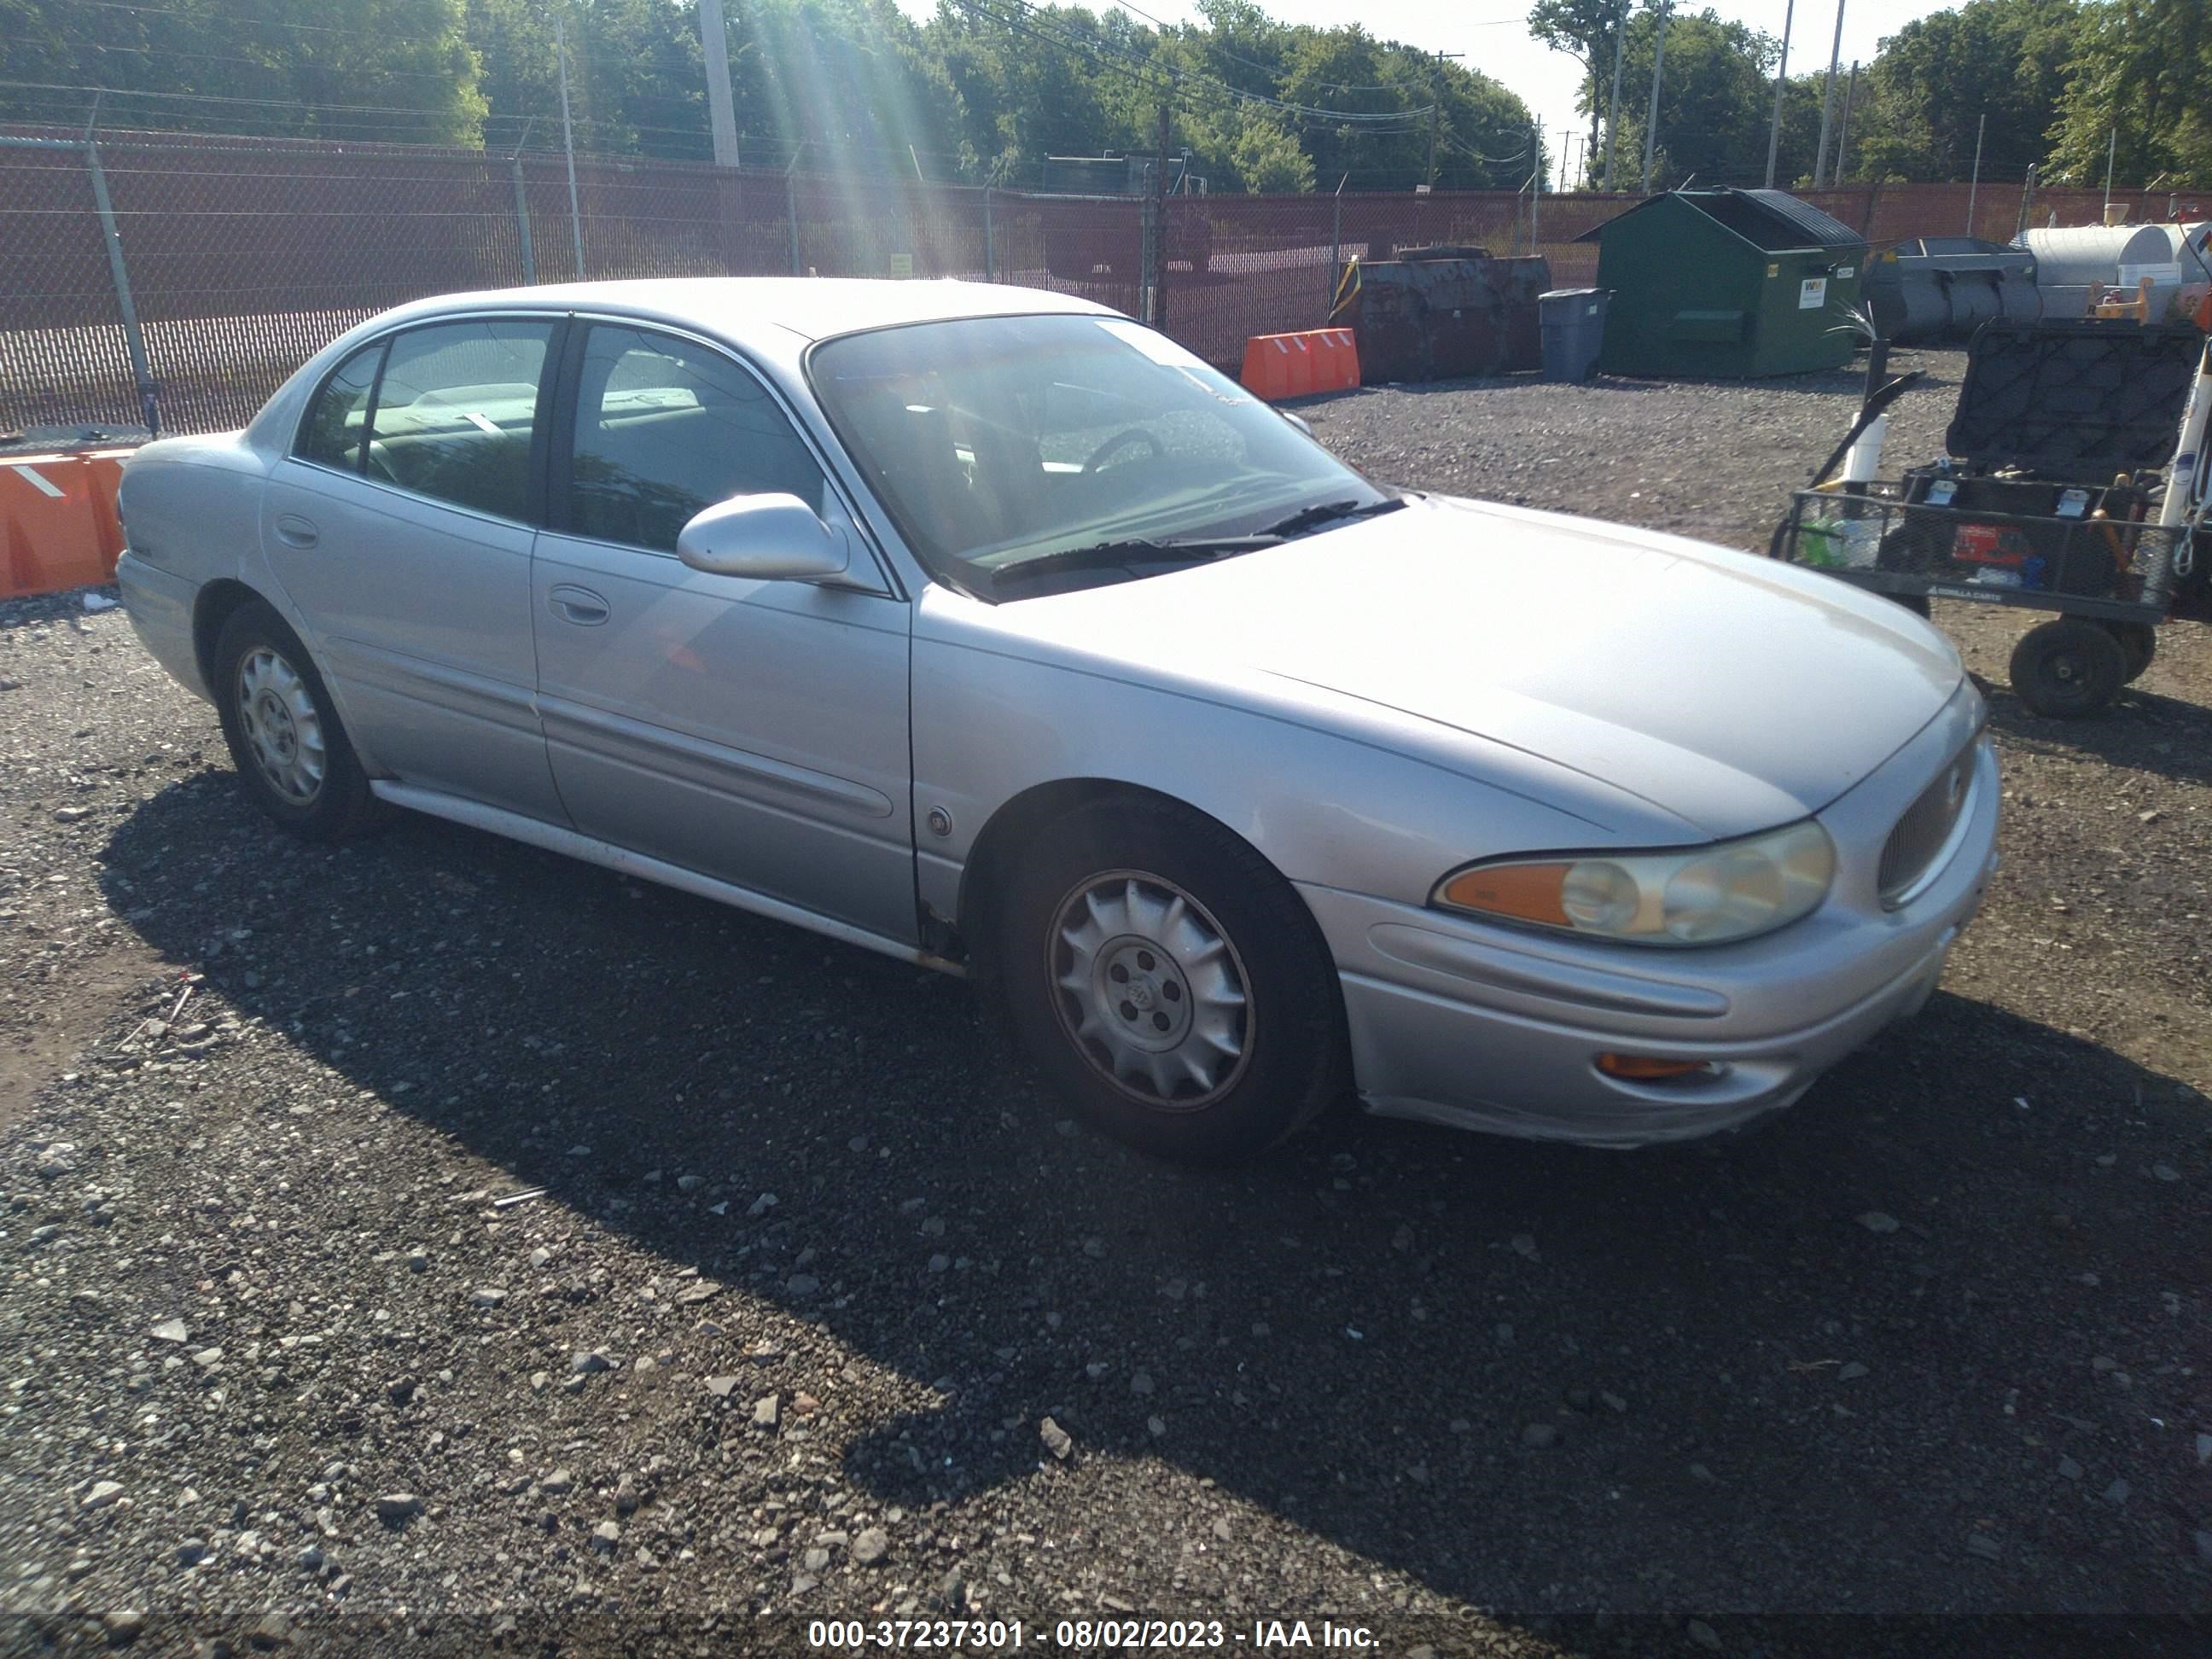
2075,264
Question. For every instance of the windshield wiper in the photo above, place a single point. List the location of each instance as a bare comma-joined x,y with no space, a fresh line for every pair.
1127,551
1321,512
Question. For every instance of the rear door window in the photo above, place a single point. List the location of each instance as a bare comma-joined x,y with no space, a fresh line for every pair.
456,413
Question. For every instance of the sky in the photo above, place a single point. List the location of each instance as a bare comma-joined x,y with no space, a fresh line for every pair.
1493,36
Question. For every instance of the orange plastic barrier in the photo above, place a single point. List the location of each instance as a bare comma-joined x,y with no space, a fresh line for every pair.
1279,366
58,525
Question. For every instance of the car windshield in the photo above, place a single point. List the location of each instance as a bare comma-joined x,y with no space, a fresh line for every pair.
998,441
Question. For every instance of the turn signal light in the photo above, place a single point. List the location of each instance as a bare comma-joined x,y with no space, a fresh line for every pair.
1647,1068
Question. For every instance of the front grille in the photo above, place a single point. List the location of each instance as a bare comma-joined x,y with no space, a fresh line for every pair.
1920,834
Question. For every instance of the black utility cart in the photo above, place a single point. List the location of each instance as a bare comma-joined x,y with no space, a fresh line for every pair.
2047,501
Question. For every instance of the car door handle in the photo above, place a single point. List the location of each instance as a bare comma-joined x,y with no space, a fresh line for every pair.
577,604
294,531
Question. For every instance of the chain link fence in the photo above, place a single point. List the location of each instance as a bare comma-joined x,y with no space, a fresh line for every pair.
180,278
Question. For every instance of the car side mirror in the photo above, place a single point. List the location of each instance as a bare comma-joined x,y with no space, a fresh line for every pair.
767,537
1297,420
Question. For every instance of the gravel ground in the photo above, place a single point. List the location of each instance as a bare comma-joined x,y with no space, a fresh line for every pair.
804,1276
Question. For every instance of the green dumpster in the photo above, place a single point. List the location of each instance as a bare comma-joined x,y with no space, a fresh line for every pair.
1730,284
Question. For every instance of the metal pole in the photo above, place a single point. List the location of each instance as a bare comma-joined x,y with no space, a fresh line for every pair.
1613,117
990,251
1536,185
791,205
1781,81
133,336
1828,102
1436,114
1651,116
721,105
2111,150
2026,205
1336,240
1158,318
1844,125
522,221
568,143
1974,187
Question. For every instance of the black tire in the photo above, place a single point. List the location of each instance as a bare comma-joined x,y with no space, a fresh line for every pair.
2066,669
339,804
1291,1058
2138,645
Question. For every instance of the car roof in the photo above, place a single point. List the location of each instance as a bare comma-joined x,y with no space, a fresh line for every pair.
811,308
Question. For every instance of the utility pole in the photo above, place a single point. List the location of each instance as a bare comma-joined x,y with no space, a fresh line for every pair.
568,143
1781,81
1436,111
1844,125
1613,116
2111,150
1828,101
721,106
1651,117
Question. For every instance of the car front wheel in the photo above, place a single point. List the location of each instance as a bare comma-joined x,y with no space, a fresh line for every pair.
1169,982
293,760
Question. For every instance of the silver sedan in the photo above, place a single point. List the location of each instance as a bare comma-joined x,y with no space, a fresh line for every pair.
988,630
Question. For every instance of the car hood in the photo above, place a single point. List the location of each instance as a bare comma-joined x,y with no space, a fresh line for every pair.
1732,692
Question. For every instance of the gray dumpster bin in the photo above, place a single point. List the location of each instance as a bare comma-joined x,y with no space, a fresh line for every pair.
1574,331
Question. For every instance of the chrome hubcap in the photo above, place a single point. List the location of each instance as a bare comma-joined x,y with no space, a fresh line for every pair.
1150,990
281,725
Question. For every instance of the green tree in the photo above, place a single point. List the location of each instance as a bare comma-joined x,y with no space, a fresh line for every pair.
1586,30
2139,71
399,70
1937,76
1716,101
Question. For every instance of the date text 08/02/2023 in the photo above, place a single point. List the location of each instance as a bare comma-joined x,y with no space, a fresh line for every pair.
1007,1635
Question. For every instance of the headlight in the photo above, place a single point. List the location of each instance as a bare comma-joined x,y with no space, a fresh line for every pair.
1712,895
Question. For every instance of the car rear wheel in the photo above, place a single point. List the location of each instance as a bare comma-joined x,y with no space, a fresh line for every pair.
293,760
1169,982
2065,669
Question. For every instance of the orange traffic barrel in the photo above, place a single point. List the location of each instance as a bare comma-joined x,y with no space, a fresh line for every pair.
58,524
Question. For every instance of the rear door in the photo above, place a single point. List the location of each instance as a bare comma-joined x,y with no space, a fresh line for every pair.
754,732
400,528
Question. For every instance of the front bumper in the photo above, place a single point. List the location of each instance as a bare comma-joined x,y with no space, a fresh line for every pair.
1457,1022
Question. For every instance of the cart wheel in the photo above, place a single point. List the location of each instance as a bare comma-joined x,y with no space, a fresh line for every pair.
2065,669
1916,603
2138,645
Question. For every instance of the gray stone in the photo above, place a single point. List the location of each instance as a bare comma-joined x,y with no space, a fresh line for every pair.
397,1506
766,1411
123,1628
557,1482
1056,1439
191,1552
605,1536
103,1493
1703,1634
583,1364
273,1630
171,1330
2069,1469
489,1297
2117,1492
1875,1221
1987,1548
1540,1435
1851,1372
1613,1401
872,1548
1525,1245
722,1387
802,1285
